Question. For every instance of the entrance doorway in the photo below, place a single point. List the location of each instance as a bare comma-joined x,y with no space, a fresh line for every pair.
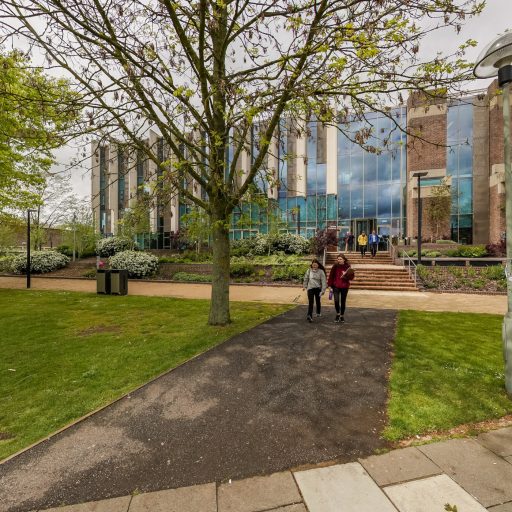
366,225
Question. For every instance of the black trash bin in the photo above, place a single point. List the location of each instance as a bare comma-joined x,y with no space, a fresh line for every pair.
119,282
103,281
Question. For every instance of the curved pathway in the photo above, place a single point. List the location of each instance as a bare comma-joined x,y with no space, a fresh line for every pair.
283,395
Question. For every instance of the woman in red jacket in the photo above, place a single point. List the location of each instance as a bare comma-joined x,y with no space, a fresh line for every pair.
339,280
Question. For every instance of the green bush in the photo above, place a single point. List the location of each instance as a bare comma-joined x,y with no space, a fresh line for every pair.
289,273
187,257
477,284
89,273
494,272
241,270
472,251
138,264
40,262
261,244
444,242
189,277
66,250
107,247
6,263
432,254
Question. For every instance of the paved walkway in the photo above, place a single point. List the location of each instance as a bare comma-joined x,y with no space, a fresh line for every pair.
473,475
265,401
424,301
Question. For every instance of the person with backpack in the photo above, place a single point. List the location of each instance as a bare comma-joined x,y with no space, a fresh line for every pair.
339,281
315,283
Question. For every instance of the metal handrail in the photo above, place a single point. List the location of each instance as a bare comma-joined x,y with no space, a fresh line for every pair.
324,257
414,272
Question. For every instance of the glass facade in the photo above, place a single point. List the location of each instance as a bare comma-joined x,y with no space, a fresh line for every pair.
459,165
371,184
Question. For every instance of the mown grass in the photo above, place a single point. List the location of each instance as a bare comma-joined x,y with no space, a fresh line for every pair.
447,371
63,354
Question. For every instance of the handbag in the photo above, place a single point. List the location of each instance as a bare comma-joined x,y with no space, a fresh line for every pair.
330,294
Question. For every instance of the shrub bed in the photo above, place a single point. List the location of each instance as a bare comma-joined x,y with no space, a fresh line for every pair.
107,247
485,279
188,277
260,245
138,264
40,262
294,273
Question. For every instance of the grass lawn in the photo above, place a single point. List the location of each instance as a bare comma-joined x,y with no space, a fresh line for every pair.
63,354
448,370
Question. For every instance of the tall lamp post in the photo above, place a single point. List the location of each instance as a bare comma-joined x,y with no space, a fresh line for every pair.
29,211
496,60
419,175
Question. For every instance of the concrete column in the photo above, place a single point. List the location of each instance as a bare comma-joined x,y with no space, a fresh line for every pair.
95,185
481,166
113,185
332,159
152,182
273,167
301,155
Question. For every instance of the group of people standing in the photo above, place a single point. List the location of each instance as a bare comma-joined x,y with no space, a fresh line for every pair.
316,283
362,242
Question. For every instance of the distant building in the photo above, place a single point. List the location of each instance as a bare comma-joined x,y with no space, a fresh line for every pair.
327,180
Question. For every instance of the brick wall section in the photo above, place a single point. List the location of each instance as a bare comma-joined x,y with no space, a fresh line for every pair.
428,232
496,215
495,126
427,155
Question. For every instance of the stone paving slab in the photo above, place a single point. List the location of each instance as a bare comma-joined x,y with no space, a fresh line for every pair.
111,505
346,488
498,441
198,498
482,473
431,494
507,507
258,493
399,466
299,507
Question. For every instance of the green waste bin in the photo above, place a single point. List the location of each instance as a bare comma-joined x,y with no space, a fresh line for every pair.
119,282
103,281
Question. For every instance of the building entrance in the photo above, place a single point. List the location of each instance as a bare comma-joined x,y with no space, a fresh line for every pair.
366,225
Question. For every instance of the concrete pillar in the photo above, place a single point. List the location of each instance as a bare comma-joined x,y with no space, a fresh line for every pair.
113,186
95,185
301,155
332,159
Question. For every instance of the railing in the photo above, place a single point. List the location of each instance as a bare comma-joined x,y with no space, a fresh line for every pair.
411,266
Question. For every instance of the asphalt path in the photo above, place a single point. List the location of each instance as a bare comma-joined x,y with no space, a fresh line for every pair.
283,395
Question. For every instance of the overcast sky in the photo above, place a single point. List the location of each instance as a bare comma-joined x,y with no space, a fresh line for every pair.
494,20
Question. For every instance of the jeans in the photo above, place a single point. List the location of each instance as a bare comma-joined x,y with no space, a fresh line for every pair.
314,295
340,299
362,248
373,248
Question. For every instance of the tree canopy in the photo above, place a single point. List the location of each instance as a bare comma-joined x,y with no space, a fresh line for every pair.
202,73
35,111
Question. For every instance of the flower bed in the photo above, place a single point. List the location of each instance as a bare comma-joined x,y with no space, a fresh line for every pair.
464,279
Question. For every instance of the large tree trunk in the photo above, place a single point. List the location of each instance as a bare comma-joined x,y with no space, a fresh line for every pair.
219,306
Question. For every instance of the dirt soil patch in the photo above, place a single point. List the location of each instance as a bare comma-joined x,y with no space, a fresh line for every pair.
282,395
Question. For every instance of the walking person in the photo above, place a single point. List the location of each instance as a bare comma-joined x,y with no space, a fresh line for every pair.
339,281
374,243
362,240
315,283
350,238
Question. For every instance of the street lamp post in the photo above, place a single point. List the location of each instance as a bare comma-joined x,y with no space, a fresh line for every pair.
419,175
29,211
74,235
496,60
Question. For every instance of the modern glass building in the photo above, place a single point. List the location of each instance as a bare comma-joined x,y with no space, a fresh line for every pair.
324,179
